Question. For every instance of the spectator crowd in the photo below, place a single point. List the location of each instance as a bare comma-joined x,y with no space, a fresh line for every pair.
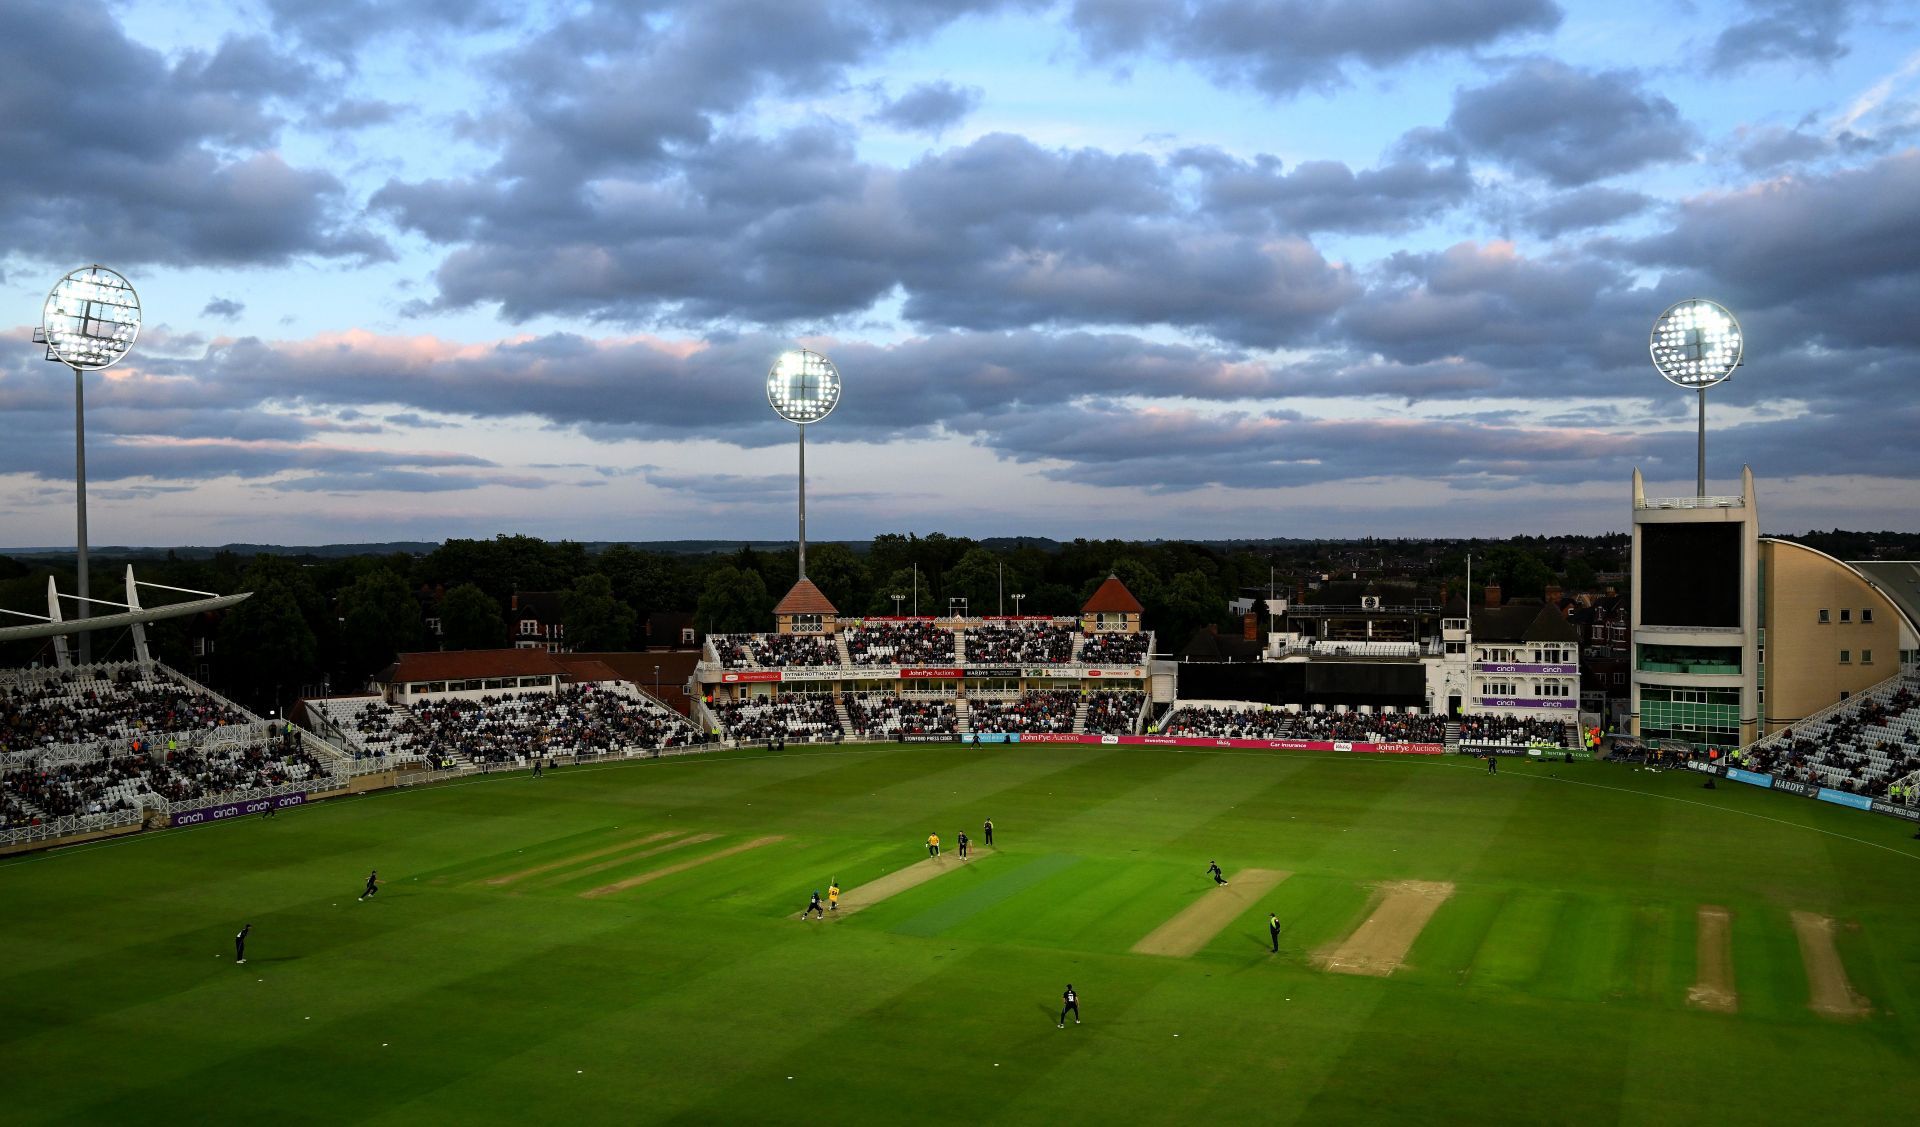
1040,710
37,710
900,643
1019,643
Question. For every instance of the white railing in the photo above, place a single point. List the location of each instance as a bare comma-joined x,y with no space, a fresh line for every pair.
69,826
1732,502
310,784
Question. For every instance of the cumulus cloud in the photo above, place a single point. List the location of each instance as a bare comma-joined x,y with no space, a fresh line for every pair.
1282,47
1571,126
1838,249
1809,31
162,161
1325,195
1584,209
930,107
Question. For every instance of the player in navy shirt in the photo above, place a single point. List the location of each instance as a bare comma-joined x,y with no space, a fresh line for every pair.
1071,1005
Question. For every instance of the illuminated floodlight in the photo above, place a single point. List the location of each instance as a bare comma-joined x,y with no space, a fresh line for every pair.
91,318
803,386
1696,343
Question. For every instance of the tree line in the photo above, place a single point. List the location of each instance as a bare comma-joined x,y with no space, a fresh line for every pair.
336,622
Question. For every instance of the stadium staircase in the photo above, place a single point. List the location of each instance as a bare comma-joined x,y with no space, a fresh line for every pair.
840,647
1453,736
963,719
1079,643
840,710
959,647
1080,718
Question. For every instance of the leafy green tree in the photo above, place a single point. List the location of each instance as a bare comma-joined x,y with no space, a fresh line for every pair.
975,577
268,649
596,621
734,601
839,574
901,583
1186,604
470,619
379,618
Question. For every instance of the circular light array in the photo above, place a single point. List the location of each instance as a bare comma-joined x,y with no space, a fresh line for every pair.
91,318
803,386
1696,343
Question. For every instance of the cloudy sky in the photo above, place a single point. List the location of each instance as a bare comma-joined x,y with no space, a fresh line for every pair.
427,268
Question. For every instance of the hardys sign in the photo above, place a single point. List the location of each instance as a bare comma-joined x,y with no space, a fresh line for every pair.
235,809
751,675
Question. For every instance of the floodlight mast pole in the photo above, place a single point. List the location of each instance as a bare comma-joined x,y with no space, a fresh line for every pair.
1701,486
80,496
803,499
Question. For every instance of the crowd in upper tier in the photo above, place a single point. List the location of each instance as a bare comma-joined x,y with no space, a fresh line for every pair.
1020,643
99,703
774,651
899,643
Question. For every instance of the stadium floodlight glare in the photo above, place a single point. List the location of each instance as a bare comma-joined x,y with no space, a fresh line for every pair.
803,387
90,320
1695,344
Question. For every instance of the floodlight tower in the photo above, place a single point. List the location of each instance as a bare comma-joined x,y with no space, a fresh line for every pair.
1695,344
803,387
90,320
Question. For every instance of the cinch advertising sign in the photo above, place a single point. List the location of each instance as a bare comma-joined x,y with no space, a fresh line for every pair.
235,809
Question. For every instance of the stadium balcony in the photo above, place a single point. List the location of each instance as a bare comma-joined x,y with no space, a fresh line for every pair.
1020,643
1860,746
1040,710
882,716
773,651
900,643
794,718
1115,649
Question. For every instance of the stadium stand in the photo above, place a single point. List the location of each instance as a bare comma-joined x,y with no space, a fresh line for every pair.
369,727
1230,722
900,643
1871,740
773,651
1019,643
794,717
515,729
132,780
46,708
886,716
1114,712
1042,710
1115,649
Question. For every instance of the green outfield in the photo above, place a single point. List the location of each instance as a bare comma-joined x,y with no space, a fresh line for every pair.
1558,944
